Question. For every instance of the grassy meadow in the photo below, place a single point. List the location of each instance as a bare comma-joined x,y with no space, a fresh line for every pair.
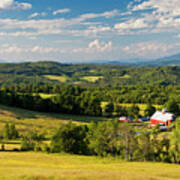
92,78
41,166
42,122
62,79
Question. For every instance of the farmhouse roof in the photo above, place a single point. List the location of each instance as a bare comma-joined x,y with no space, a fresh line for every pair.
162,116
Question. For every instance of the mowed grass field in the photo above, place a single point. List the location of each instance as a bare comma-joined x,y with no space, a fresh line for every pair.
42,122
62,79
41,166
92,78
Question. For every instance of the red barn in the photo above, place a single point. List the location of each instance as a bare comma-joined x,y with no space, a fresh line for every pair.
162,118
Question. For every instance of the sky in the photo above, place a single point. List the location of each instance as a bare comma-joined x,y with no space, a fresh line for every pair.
81,30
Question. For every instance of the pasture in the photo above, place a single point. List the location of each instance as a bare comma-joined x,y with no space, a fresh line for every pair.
62,79
41,166
26,120
92,78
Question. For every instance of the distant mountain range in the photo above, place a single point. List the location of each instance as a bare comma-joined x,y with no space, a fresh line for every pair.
173,60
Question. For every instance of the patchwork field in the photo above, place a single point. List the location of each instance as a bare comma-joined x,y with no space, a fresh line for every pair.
92,78
39,166
43,122
62,79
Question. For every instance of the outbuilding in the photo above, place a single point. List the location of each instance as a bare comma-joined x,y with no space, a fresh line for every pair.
162,118
126,119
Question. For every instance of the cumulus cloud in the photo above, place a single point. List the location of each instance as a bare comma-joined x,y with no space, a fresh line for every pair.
132,24
15,49
100,46
61,11
11,4
152,16
165,12
148,49
107,14
95,47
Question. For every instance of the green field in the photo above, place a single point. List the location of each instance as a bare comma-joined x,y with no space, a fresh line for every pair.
62,79
125,76
42,122
41,166
92,78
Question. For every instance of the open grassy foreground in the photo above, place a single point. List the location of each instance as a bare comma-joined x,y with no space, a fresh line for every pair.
39,166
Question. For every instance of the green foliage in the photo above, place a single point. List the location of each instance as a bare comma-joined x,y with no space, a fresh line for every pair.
150,110
70,138
32,140
134,111
10,131
172,106
175,144
108,109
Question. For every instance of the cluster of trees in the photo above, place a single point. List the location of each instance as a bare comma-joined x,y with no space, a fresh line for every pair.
122,140
33,141
103,139
71,101
76,100
9,132
152,94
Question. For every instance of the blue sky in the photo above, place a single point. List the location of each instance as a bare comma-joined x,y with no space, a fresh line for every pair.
83,30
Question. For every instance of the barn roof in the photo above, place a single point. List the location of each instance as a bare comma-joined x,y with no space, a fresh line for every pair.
162,116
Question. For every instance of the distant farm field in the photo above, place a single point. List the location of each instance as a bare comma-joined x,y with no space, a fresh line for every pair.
40,166
62,79
125,76
92,78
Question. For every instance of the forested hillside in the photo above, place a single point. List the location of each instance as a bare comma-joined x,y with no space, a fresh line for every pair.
86,75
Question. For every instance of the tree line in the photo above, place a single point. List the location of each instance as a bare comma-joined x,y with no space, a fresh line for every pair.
109,138
85,101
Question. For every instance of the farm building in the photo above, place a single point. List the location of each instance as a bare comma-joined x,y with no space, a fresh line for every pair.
163,118
125,119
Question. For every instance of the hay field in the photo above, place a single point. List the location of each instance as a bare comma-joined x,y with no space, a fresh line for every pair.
92,78
62,79
43,122
41,166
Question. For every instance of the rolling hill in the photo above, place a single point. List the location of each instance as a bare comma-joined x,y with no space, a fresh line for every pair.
41,73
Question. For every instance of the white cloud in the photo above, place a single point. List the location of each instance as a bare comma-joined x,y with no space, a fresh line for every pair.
54,26
107,14
11,4
132,24
152,17
61,11
7,49
4,4
165,12
36,14
148,49
39,49
100,46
